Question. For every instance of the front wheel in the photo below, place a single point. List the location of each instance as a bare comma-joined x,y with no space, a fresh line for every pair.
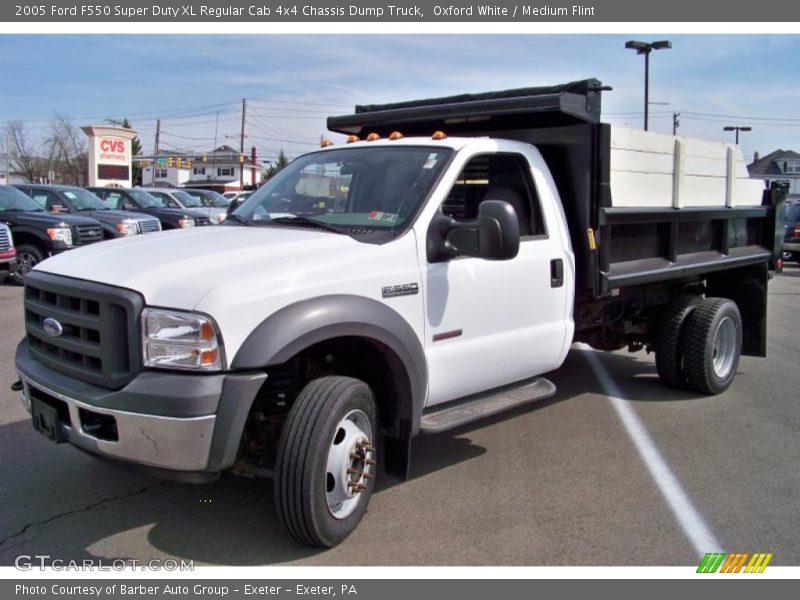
326,462
712,345
28,256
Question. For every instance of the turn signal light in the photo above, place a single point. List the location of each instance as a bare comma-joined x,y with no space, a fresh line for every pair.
439,135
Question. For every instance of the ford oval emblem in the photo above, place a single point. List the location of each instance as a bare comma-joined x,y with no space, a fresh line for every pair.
52,327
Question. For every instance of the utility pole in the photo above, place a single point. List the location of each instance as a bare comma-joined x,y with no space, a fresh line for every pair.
155,154
675,122
241,147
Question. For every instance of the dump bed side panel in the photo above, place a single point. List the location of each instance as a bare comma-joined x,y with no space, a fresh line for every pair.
655,170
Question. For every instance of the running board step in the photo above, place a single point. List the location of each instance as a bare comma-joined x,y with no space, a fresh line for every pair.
496,401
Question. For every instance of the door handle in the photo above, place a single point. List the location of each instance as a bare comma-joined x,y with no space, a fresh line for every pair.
556,272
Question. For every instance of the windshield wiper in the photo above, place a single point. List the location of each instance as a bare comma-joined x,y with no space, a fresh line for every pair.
305,221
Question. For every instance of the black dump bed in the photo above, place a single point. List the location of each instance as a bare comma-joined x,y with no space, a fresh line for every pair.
614,247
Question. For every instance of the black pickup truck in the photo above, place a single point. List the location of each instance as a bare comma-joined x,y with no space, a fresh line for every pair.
62,199
39,234
140,201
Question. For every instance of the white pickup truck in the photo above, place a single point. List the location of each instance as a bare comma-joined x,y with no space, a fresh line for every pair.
425,274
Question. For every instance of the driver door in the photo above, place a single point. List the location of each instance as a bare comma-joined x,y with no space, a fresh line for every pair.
492,323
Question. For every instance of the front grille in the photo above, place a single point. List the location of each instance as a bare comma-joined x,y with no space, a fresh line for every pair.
98,341
201,221
5,239
149,226
87,234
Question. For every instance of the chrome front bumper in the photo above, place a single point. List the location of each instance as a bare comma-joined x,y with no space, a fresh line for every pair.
181,444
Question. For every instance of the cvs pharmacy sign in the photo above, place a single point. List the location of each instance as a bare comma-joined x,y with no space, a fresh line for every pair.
113,149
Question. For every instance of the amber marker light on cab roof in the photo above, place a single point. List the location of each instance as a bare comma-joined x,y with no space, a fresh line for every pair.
439,135
372,137
395,135
352,138
325,143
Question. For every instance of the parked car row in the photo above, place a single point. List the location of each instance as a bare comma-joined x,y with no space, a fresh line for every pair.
45,220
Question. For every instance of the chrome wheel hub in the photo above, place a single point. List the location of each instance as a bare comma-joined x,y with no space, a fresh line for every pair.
350,464
724,347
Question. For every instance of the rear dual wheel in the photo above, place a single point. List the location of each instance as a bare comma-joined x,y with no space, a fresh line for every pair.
712,345
698,344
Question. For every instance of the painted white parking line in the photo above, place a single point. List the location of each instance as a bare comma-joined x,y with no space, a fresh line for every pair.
695,529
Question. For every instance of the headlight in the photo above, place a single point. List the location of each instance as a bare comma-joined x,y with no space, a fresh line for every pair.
186,222
179,340
60,234
128,227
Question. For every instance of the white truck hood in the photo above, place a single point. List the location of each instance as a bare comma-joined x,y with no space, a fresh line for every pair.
178,268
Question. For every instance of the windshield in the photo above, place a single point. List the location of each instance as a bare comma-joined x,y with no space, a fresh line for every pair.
216,199
358,190
145,199
84,200
188,199
11,199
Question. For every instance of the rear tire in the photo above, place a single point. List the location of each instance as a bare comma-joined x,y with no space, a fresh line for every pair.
325,467
712,345
669,341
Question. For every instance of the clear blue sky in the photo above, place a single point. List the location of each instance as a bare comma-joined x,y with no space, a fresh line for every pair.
292,82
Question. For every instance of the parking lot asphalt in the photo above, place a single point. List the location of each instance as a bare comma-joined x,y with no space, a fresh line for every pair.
562,482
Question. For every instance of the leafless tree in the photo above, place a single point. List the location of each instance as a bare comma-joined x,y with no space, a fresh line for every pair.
25,158
68,144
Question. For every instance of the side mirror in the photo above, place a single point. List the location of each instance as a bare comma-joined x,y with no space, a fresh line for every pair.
234,204
494,235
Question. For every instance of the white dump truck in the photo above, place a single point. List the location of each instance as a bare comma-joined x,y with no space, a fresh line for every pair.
427,273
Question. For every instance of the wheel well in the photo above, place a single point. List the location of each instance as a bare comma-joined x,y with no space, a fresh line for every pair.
28,238
362,358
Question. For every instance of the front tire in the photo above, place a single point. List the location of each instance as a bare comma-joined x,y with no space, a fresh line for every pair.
28,256
325,467
712,345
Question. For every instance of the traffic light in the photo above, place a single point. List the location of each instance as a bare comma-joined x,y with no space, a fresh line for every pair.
188,163
241,158
205,157
169,162
179,162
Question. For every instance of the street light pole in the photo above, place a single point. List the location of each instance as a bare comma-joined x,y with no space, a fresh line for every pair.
737,129
646,48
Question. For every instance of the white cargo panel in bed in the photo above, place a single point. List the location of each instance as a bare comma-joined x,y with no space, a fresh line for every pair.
655,170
